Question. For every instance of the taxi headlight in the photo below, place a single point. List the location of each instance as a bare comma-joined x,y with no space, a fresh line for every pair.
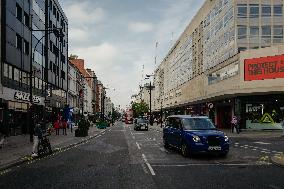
196,138
226,138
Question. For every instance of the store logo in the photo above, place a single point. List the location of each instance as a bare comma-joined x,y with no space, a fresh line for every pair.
26,97
266,118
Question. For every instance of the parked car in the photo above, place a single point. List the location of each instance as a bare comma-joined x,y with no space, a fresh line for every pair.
194,135
141,123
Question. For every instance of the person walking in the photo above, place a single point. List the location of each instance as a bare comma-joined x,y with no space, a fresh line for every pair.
57,126
37,137
64,127
235,124
282,127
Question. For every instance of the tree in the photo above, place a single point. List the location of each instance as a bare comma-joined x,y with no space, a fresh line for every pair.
139,109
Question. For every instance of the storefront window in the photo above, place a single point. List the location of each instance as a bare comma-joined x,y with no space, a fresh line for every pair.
6,70
264,115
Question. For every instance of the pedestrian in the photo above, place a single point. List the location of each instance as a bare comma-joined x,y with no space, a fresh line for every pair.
64,127
37,137
57,126
283,127
235,124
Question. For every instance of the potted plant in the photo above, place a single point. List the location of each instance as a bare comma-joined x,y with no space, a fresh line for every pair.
83,128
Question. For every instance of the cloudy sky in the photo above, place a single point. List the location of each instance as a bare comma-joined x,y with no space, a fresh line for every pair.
117,37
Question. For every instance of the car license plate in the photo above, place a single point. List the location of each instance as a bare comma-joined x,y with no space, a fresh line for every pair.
217,148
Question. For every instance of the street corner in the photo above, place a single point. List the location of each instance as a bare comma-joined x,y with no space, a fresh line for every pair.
278,160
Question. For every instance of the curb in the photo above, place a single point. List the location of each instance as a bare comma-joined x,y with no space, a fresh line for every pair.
27,158
277,162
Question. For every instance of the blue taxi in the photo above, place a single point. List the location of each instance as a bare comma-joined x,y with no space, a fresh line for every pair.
194,134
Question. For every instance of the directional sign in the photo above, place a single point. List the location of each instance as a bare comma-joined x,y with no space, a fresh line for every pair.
266,118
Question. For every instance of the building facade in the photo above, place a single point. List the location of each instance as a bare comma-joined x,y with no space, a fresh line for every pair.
208,69
26,56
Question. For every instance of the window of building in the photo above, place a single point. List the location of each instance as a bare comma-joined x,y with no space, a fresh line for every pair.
54,11
18,42
266,31
278,30
26,47
50,65
10,68
62,74
50,5
242,49
16,74
6,70
27,19
58,16
254,10
266,10
19,12
242,10
278,10
24,78
242,32
254,31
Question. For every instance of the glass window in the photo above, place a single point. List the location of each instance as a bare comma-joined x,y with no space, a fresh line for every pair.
278,30
10,72
24,78
16,74
278,10
197,124
254,31
6,70
266,10
242,32
242,10
18,42
26,47
26,19
19,12
266,31
254,10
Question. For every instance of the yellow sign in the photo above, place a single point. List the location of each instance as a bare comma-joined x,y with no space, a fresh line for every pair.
266,118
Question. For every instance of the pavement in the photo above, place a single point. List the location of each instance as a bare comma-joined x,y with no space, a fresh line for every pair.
250,134
17,149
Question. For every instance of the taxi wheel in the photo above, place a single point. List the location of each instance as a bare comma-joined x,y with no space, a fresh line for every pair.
184,150
166,144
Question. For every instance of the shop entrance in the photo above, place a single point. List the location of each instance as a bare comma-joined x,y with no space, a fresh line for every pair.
224,114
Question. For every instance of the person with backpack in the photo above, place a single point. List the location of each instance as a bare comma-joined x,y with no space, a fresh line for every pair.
235,124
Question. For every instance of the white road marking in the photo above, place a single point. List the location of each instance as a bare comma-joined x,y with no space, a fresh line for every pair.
138,146
139,134
99,135
148,164
264,143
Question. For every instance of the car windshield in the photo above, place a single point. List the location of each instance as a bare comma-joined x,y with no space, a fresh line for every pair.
197,124
141,121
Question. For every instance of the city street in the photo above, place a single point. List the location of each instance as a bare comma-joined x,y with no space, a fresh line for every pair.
123,158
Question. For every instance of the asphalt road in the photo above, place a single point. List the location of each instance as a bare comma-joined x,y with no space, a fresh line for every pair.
123,158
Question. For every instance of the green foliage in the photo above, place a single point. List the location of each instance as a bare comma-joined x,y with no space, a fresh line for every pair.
139,109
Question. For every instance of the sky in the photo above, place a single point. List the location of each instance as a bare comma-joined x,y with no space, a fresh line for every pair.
117,38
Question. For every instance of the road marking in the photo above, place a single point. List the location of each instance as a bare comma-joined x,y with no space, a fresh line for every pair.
264,143
138,146
99,136
139,133
148,164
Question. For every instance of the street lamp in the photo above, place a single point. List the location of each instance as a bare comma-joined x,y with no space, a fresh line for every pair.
150,88
58,32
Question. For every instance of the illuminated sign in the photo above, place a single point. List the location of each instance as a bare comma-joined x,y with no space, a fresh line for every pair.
264,68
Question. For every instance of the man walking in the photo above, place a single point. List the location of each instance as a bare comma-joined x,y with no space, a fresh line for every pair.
37,137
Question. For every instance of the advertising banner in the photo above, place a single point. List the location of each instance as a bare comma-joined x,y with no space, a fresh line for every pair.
270,67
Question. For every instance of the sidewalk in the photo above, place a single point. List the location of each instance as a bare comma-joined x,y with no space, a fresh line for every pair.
243,134
18,148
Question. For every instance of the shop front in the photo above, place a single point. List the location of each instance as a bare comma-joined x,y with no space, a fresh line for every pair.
263,112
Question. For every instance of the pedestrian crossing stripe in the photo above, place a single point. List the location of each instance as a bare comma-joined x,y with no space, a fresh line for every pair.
266,118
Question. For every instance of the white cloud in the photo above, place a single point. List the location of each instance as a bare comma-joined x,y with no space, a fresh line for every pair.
140,27
84,13
78,35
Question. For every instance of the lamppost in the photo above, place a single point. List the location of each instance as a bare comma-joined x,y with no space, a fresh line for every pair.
58,32
150,88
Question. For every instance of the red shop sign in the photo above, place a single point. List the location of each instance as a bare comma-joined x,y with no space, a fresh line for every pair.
270,67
